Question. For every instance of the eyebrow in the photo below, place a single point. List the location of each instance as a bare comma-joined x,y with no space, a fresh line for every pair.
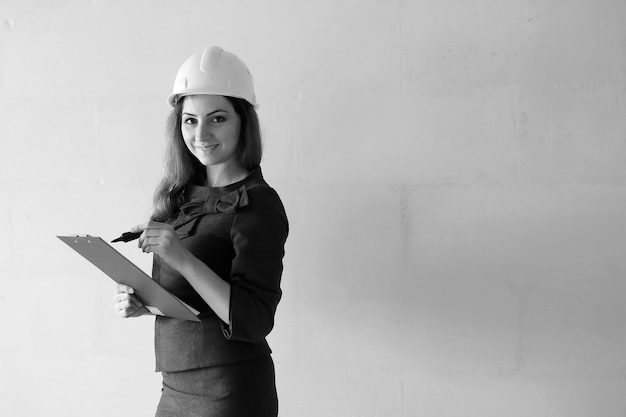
208,114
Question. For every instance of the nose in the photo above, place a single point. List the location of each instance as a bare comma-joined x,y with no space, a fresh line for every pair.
203,132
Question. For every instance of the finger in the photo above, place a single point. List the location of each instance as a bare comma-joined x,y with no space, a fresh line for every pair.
121,288
146,233
153,233
149,240
121,297
132,302
127,312
160,230
117,298
126,289
153,225
126,305
149,232
124,299
150,244
156,223
139,227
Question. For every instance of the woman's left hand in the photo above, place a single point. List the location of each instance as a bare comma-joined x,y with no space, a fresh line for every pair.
161,239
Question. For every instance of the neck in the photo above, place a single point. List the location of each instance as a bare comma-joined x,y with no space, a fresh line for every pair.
220,176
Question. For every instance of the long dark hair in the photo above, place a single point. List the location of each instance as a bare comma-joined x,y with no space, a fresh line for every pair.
182,168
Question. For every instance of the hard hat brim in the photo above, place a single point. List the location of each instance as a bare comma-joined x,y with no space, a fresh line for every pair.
173,98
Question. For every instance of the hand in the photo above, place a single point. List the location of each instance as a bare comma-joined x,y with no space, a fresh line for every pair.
125,304
161,239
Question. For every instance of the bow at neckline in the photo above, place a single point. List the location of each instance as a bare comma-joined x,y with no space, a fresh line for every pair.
227,203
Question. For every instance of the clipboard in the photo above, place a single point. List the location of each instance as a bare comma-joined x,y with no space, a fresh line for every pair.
157,299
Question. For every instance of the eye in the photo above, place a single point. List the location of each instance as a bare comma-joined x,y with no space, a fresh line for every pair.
218,119
190,121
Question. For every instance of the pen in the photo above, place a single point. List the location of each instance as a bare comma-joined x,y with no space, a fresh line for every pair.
127,237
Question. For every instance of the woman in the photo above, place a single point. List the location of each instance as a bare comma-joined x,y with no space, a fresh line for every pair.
217,234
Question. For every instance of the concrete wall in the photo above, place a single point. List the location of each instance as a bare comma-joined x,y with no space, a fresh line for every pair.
454,173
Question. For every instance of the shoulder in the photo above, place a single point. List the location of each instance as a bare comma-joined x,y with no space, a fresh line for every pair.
264,203
262,194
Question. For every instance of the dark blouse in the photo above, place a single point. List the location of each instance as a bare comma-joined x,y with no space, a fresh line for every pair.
239,231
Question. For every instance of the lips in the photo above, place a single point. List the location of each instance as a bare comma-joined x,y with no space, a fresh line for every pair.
205,146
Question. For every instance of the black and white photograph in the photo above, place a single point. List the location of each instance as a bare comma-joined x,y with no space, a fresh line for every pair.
342,208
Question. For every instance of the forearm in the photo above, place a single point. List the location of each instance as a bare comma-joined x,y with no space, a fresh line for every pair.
213,289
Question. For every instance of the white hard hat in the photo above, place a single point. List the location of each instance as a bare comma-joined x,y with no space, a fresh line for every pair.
214,71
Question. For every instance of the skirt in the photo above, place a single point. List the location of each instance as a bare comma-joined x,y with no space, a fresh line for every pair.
235,390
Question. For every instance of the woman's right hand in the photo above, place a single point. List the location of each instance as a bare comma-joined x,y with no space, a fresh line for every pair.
126,304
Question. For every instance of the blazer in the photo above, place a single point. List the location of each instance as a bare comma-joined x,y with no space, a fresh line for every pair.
239,231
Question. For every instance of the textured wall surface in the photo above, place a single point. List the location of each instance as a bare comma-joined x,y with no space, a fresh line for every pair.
454,172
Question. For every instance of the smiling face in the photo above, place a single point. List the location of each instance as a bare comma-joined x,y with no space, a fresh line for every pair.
210,127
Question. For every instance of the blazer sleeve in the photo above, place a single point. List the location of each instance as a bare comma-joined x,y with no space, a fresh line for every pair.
258,233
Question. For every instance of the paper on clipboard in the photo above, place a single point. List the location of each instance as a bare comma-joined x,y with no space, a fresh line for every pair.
157,299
